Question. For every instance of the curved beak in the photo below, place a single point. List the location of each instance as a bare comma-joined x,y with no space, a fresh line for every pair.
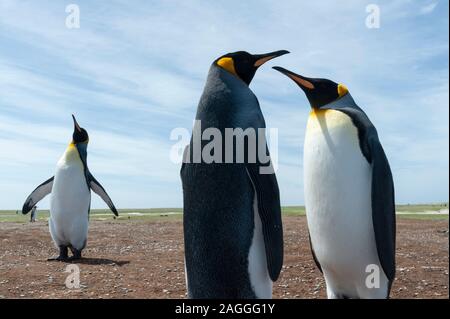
75,124
303,82
260,59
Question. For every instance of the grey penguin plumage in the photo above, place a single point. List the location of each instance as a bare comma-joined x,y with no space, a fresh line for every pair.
349,193
232,218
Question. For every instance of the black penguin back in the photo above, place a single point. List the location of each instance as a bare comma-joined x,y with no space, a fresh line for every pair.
218,197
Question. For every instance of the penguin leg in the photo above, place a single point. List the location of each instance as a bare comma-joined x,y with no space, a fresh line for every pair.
63,254
331,294
76,253
332,291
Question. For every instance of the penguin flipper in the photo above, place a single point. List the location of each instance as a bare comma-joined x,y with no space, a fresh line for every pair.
39,193
100,191
268,197
383,207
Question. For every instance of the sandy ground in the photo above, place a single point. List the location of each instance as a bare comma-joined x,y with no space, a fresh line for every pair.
144,259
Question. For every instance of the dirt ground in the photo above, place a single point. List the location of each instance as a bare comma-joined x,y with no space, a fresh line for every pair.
144,259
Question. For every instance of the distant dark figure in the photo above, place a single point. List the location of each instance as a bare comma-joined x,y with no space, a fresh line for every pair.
33,214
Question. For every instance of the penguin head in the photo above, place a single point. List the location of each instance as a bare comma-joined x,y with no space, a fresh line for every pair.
79,135
319,92
244,65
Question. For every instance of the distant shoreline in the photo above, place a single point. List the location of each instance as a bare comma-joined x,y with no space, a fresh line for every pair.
401,206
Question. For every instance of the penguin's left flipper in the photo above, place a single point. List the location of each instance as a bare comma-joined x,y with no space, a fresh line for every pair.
100,191
268,197
383,207
39,193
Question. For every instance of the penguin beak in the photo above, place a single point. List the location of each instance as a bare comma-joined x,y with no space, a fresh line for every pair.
260,59
75,124
303,82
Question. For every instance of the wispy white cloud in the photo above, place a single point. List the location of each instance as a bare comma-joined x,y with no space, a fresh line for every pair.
428,8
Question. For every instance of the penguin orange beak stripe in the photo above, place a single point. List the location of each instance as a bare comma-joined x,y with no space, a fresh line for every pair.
75,123
300,80
260,59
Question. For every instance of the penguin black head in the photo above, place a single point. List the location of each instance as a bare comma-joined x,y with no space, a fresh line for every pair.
319,92
244,65
79,134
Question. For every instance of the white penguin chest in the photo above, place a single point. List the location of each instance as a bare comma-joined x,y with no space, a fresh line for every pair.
337,189
70,193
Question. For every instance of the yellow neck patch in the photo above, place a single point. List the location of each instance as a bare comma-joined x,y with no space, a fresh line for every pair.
315,112
342,90
320,120
71,154
227,64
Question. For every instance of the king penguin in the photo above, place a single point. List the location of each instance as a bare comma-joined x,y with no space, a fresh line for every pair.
232,218
349,194
71,197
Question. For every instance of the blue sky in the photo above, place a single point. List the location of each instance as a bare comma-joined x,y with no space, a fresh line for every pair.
135,70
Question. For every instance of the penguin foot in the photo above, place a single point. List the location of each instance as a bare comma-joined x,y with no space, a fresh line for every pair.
63,254
59,258
76,253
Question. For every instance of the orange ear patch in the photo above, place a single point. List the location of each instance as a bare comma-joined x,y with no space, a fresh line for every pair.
227,64
342,90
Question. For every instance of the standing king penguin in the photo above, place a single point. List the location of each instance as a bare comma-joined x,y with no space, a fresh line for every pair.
232,218
71,197
349,194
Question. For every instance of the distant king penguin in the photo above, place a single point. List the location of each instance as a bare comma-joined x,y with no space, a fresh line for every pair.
232,218
349,194
71,197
